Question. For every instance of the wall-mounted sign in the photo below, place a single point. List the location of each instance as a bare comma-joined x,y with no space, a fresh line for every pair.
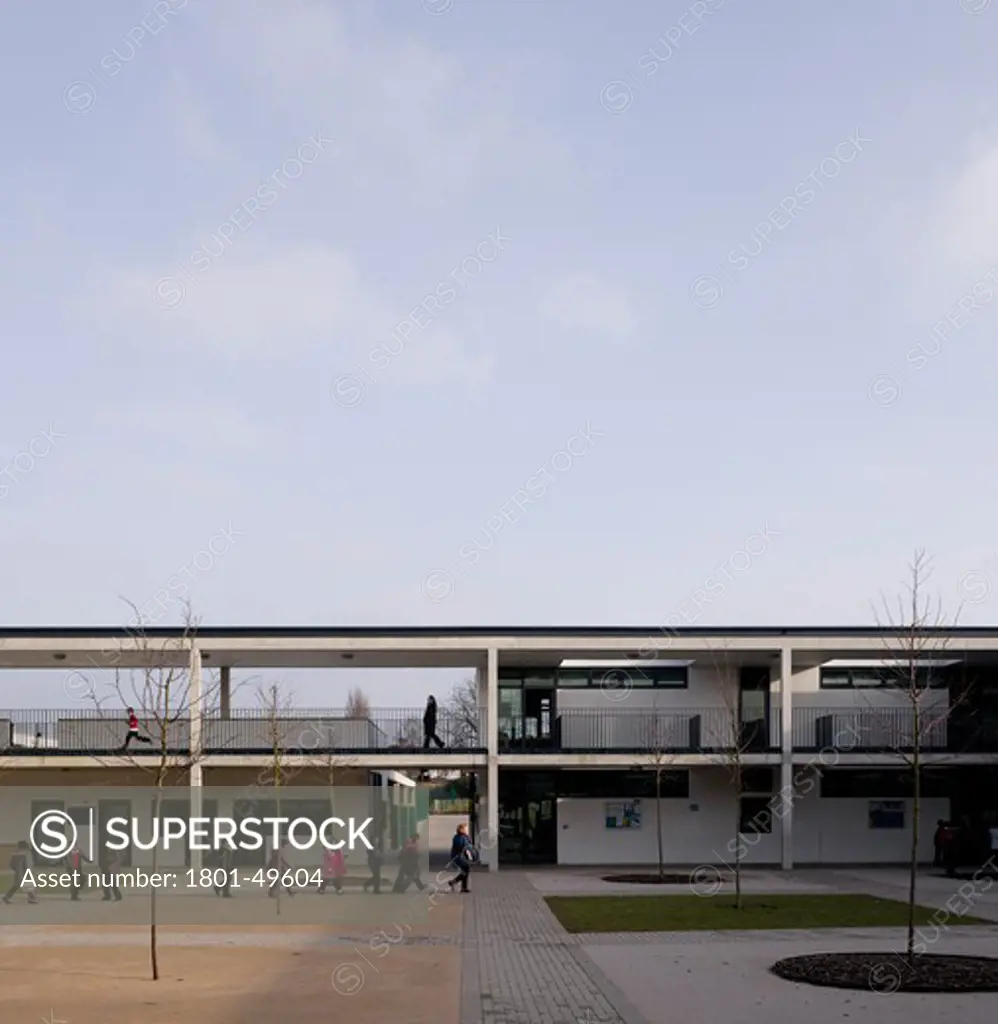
626,814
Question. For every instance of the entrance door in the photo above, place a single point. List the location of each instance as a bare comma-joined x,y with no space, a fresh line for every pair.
528,818
538,718
753,707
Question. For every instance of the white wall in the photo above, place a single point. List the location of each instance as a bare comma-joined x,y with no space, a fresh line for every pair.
828,831
836,831
689,837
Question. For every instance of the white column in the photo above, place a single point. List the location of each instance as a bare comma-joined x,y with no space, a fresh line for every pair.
786,758
492,731
196,779
225,692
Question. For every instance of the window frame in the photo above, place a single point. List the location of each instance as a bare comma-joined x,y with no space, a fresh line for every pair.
761,820
887,678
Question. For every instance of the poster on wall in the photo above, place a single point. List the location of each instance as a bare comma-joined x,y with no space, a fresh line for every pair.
623,815
886,814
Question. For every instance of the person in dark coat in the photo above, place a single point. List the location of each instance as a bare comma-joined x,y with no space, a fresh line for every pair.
374,861
409,866
462,855
430,724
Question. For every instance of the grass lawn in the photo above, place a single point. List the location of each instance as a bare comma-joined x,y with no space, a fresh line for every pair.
718,913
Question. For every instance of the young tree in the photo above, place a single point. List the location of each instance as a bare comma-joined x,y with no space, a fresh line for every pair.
917,641
277,706
735,741
661,741
169,698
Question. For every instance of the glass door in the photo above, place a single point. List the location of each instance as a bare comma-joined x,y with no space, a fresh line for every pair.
510,717
754,708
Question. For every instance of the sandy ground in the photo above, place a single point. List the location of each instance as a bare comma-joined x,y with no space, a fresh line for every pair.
230,986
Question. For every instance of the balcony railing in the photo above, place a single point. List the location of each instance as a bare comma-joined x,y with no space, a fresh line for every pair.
639,730
569,730
298,731
869,730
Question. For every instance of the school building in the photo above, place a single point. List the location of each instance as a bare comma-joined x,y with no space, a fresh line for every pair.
575,731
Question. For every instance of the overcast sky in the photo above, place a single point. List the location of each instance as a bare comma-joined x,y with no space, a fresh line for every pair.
496,312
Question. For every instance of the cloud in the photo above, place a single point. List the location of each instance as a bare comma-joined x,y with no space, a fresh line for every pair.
244,303
963,225
274,306
405,114
587,302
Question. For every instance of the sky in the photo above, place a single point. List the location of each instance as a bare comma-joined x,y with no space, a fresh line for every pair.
442,312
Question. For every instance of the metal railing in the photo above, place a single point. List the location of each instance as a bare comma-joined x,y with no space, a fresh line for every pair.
247,731
639,730
869,730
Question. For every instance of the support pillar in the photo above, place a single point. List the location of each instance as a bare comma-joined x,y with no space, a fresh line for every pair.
787,793
225,692
492,773
196,779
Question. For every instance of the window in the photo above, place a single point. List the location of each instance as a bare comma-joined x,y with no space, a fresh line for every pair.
609,678
572,677
872,678
757,780
616,785
886,814
882,784
756,815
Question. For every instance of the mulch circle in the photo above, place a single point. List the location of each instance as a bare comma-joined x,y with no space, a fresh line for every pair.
667,879
891,972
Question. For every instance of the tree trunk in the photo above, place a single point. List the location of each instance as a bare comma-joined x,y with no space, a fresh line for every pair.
738,851
915,816
153,950
658,824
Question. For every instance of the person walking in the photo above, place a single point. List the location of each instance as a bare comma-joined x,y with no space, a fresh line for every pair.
19,867
225,863
279,862
939,842
430,724
334,869
133,731
462,855
75,861
374,866
409,866
109,876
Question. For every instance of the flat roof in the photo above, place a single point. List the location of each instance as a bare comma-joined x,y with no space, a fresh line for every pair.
361,632
83,647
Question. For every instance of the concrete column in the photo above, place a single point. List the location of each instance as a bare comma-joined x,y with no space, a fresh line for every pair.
492,780
196,779
786,758
225,692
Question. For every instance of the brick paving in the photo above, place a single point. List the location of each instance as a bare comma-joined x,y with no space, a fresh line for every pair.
521,967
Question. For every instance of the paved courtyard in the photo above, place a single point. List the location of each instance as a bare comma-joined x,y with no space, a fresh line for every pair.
521,967
497,956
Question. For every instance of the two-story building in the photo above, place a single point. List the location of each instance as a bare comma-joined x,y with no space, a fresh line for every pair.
800,739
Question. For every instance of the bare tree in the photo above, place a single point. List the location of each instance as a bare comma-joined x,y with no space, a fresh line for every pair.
168,699
661,742
464,714
277,705
736,740
918,637
358,706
